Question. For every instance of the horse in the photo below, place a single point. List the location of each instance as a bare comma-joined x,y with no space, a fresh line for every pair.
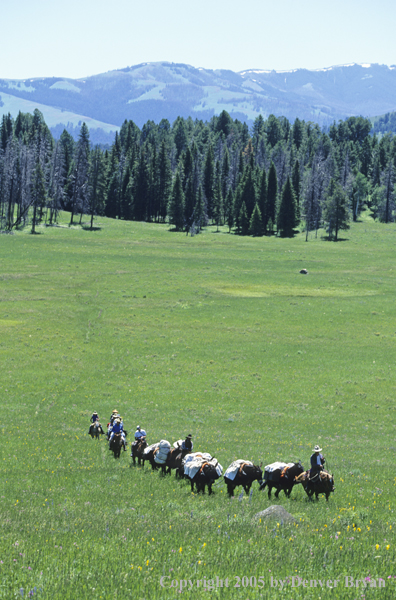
286,480
174,461
95,430
152,449
322,484
137,451
116,444
247,473
206,476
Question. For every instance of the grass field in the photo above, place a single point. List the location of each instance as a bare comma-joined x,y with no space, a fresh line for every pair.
218,336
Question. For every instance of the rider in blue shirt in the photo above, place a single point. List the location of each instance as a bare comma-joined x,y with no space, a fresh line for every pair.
317,461
94,417
118,427
187,443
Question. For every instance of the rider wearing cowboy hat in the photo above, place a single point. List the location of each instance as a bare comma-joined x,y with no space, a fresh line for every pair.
187,444
317,461
118,427
94,417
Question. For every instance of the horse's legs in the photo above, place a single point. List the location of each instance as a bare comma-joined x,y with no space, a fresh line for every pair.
210,489
230,490
269,491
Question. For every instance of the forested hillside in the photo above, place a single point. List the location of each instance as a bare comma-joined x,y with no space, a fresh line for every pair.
266,180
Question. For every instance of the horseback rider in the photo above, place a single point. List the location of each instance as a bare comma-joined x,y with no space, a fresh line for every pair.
187,444
118,427
317,462
94,417
140,434
114,415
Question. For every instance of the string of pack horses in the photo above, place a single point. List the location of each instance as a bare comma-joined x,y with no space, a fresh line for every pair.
202,469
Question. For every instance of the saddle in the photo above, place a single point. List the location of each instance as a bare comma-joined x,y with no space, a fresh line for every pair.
315,478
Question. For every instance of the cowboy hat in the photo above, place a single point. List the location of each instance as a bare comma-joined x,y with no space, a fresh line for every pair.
137,426
114,411
317,449
189,435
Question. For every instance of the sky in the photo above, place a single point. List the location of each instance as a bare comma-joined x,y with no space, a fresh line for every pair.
78,38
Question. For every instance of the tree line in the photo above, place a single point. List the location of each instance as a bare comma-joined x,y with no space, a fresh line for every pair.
264,181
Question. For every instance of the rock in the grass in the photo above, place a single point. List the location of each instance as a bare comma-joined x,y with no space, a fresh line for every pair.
304,272
275,513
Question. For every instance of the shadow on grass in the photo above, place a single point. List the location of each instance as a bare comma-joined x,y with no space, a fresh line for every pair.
89,228
326,238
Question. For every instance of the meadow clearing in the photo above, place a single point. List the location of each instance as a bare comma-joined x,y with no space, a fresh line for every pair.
218,336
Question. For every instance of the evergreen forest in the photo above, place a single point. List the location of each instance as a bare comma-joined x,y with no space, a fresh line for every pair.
269,180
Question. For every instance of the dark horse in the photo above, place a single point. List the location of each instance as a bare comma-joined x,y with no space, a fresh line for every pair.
137,451
116,444
206,476
322,484
95,430
150,456
286,480
174,461
245,477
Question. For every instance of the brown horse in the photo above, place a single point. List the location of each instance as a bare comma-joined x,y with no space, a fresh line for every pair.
286,480
137,451
246,475
116,444
95,430
323,484
174,461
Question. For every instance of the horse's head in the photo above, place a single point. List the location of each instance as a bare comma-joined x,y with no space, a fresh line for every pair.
209,471
328,480
301,478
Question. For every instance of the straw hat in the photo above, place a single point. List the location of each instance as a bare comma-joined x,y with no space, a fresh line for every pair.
317,449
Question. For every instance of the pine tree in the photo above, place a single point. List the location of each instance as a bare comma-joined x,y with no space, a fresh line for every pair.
262,199
256,222
243,221
80,173
39,195
387,207
142,189
272,196
189,204
176,205
336,212
199,212
209,180
296,181
218,204
228,209
287,212
97,184
165,181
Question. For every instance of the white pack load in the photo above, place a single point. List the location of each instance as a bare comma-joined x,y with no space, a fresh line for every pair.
273,471
150,448
178,444
234,467
163,451
194,461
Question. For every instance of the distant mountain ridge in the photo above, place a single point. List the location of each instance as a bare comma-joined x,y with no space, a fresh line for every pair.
153,91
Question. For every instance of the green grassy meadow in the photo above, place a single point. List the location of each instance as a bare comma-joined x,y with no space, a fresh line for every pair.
218,336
